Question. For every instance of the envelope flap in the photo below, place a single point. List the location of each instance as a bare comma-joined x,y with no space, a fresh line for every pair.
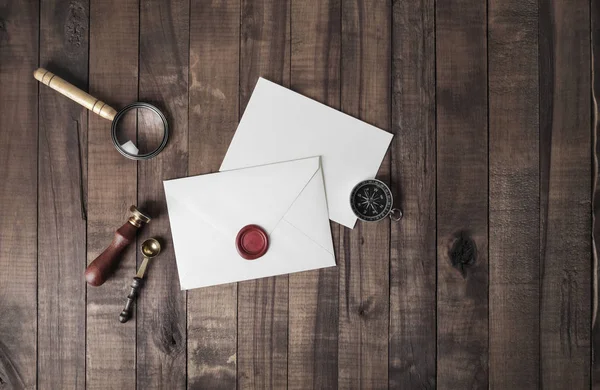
230,200
281,125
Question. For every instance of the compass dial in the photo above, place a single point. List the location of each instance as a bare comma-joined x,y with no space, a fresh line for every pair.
371,200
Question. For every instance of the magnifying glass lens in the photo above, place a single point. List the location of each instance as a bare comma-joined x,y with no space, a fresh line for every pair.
139,131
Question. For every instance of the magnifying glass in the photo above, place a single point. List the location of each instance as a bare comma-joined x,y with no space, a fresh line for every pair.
139,131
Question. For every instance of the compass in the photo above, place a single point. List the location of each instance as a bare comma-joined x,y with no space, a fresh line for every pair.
371,200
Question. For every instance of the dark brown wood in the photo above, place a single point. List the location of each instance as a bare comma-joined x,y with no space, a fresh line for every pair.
412,339
19,24
113,73
263,303
161,306
565,194
313,296
462,195
595,36
411,304
514,296
364,262
62,178
213,115
103,266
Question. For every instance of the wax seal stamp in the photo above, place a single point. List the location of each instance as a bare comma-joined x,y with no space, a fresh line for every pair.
252,242
105,264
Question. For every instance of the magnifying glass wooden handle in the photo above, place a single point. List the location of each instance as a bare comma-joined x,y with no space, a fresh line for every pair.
72,92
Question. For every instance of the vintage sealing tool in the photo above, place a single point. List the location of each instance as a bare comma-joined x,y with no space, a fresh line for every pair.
104,265
138,121
371,200
150,249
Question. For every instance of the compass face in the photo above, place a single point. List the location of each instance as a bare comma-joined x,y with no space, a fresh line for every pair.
371,200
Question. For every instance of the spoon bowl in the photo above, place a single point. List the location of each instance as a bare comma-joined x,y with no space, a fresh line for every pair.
151,248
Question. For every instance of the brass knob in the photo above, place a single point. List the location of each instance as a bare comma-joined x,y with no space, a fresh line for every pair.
138,218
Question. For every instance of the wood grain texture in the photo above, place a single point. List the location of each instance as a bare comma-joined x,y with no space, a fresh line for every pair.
263,303
18,193
514,194
462,195
595,36
113,78
412,345
565,190
62,192
313,307
364,261
416,68
213,117
265,45
163,81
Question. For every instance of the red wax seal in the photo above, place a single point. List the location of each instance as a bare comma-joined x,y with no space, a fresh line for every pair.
252,242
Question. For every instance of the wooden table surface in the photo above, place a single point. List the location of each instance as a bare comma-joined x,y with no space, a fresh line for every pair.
487,281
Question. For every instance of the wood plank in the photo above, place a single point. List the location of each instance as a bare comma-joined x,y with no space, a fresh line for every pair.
595,34
514,194
62,190
213,114
19,24
462,195
113,78
263,303
163,80
364,261
265,45
313,305
412,346
565,191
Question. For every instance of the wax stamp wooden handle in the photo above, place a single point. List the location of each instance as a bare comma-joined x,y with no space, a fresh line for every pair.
104,265
72,92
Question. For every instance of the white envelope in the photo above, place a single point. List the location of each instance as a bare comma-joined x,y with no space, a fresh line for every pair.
287,200
282,125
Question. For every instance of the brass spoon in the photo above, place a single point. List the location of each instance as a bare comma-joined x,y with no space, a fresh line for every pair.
150,249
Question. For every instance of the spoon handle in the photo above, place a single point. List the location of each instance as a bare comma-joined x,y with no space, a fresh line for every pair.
142,270
133,293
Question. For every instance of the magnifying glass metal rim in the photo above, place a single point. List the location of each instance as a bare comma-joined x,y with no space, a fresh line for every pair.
120,115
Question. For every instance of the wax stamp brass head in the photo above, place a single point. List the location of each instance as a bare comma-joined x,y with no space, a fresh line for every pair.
138,218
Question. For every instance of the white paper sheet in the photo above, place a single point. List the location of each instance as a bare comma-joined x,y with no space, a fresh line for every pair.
282,125
286,199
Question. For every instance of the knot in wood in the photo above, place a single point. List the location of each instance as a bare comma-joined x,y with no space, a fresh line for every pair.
463,252
366,307
3,31
76,25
